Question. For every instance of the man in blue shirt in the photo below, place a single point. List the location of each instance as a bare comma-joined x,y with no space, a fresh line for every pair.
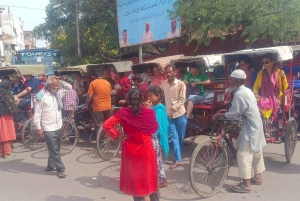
32,86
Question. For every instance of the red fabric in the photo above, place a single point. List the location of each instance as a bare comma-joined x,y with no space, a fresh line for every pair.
7,128
5,148
125,84
144,87
145,122
138,173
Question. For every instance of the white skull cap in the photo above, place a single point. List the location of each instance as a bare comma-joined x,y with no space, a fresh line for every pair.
239,74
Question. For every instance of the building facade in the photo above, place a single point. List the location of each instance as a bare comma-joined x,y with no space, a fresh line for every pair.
12,36
29,40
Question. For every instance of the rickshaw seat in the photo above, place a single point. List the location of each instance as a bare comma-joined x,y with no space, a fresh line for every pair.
218,101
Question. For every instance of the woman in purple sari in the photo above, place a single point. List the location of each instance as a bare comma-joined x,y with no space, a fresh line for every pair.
269,86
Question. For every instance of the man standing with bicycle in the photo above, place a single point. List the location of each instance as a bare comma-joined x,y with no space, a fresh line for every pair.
251,139
48,120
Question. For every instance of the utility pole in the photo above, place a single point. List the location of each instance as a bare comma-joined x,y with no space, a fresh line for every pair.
140,53
77,29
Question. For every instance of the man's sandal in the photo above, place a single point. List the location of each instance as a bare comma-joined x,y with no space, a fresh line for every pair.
61,175
240,188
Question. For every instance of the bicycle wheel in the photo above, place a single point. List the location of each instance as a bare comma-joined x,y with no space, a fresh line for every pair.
69,137
208,167
290,139
30,137
106,147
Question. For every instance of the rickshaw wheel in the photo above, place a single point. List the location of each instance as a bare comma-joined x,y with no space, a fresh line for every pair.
208,167
69,137
30,137
290,139
106,147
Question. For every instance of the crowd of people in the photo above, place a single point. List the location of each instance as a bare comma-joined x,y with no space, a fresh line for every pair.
154,110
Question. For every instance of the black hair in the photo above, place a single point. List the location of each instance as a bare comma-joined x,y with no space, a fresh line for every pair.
156,90
98,73
272,57
137,77
194,66
135,100
170,66
125,30
121,74
244,58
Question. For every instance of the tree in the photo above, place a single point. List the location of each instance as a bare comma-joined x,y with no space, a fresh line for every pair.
98,30
276,20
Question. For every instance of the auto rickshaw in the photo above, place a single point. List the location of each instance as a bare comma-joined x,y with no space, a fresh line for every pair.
216,96
107,148
210,161
29,138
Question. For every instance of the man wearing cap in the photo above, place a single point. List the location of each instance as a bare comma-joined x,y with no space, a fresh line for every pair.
251,139
148,35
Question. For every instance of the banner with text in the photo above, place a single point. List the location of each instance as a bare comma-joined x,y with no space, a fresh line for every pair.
145,21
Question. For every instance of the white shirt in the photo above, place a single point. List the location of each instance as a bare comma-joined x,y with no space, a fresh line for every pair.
148,36
244,104
47,113
175,34
123,44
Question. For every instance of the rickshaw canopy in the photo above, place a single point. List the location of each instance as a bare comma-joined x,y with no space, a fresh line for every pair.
284,53
160,62
82,70
123,66
22,70
208,60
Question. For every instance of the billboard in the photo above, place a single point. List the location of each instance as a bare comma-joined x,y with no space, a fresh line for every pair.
145,21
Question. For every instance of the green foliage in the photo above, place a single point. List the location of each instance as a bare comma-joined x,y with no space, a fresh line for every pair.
98,30
202,20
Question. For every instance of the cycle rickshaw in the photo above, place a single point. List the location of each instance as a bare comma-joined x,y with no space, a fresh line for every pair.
107,148
209,164
216,96
26,131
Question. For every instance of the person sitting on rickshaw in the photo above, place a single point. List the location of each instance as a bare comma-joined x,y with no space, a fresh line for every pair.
32,86
81,87
195,81
246,65
268,86
122,86
17,84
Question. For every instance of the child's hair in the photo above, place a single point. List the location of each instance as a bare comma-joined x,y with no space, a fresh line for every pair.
156,90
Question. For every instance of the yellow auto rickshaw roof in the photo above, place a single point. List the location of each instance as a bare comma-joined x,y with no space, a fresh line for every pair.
23,70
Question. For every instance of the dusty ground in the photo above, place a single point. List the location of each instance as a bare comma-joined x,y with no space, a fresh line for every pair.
23,178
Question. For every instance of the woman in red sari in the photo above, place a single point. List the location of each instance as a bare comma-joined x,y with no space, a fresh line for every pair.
7,109
138,176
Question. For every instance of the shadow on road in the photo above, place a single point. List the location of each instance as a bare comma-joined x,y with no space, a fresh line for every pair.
18,166
277,163
68,198
107,178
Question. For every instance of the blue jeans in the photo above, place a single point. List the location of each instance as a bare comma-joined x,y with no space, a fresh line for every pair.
177,128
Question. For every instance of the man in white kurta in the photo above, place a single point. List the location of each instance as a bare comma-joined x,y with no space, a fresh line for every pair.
48,120
148,36
251,139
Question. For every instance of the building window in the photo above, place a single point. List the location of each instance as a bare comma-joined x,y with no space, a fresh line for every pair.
26,47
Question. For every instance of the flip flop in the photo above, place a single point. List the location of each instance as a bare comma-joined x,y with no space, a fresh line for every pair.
241,190
61,175
253,182
173,166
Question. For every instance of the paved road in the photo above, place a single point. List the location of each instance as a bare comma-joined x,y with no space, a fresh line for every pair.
23,178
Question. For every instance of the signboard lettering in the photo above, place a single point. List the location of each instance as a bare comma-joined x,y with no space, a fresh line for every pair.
144,21
45,54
